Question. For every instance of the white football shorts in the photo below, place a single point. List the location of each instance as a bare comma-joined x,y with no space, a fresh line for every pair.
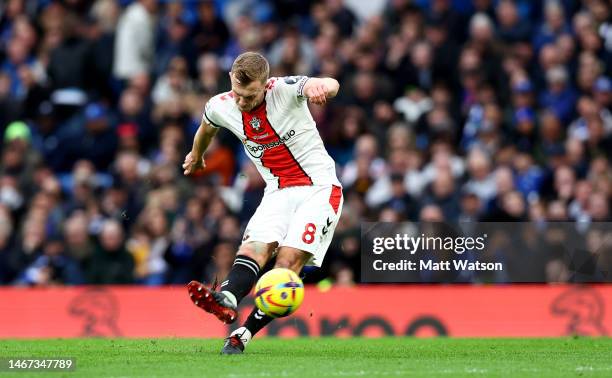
302,217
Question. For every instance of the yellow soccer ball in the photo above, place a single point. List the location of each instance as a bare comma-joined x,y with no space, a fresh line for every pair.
279,292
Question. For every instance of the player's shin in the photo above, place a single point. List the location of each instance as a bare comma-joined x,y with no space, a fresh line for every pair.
256,321
240,279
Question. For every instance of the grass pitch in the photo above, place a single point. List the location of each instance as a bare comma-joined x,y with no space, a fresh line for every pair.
323,357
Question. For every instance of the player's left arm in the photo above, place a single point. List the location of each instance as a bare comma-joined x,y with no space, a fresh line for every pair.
194,161
319,89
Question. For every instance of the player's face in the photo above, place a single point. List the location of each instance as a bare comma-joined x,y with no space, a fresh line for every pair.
247,97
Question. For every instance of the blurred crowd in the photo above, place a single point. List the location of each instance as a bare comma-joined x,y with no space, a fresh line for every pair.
494,110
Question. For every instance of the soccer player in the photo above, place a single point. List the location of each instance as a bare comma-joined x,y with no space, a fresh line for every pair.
303,197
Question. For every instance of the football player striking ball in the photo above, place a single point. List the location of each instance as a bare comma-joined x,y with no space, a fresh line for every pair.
303,197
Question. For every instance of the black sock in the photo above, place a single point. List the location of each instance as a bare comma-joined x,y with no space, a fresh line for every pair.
256,321
241,278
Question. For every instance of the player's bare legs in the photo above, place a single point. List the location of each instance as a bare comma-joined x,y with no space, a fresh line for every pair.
292,258
251,257
287,257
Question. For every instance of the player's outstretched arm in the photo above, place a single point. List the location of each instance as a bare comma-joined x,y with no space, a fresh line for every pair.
318,90
194,161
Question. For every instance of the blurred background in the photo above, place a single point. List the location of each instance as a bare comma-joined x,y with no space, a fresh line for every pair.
493,110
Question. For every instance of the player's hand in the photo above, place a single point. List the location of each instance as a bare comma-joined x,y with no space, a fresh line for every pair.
192,165
317,94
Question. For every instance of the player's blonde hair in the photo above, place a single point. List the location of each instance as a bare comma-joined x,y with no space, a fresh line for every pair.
250,66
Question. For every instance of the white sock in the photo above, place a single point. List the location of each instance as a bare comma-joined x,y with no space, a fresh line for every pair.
231,297
244,334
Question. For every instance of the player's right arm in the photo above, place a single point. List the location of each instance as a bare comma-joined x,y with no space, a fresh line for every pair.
319,89
194,161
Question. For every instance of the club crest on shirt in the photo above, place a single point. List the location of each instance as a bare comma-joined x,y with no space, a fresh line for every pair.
255,124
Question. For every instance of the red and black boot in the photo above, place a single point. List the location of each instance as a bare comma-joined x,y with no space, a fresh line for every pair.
212,301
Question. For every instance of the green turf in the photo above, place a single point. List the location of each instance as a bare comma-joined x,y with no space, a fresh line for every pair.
324,357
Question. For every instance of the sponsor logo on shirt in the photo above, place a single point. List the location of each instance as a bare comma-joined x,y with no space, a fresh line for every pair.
256,150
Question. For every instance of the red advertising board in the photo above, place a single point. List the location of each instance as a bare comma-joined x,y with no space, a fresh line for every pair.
466,311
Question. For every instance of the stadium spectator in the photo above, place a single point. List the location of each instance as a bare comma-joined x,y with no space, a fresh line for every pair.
210,32
211,79
92,137
443,194
30,245
154,268
223,257
367,165
111,263
500,110
134,41
512,28
481,182
79,245
6,246
52,267
552,26
558,96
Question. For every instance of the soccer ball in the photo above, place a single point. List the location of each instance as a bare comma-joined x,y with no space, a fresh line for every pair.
279,292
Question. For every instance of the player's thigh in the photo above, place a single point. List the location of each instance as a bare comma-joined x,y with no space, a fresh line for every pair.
313,224
270,222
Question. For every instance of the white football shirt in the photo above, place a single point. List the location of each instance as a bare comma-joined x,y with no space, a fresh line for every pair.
279,135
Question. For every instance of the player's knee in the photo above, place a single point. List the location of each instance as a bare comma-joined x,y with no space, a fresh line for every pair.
290,259
285,263
260,252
